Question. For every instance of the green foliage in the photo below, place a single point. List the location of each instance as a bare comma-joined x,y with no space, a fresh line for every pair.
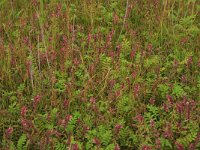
165,143
103,106
81,75
151,114
13,108
85,58
40,122
163,89
60,146
110,147
127,137
61,81
178,90
190,135
124,104
12,146
105,62
124,72
154,60
104,135
198,82
72,122
101,133
21,142
126,46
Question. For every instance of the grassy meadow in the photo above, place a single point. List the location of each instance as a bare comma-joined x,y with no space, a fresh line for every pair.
99,74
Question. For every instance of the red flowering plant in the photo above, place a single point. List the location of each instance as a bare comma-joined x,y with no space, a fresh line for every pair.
99,75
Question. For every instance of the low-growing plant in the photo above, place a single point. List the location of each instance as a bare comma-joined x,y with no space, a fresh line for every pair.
99,75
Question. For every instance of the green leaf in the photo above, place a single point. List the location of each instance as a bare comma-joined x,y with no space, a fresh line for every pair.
21,142
178,90
165,143
163,89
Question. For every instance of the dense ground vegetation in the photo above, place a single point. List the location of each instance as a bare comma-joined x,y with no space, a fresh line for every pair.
99,74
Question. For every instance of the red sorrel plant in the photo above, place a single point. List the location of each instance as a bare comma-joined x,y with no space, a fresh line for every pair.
23,112
36,101
9,132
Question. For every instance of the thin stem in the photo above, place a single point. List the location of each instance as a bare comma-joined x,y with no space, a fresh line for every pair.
124,21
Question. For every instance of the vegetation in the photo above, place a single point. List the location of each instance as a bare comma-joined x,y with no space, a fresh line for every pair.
99,74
